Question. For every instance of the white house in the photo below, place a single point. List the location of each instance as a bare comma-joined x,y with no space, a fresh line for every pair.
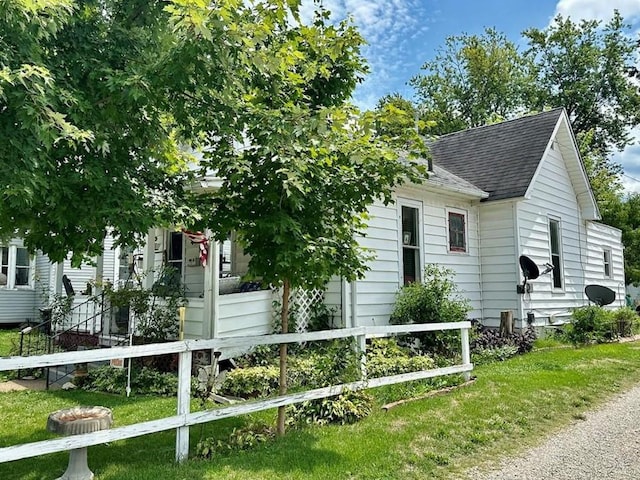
525,193
494,193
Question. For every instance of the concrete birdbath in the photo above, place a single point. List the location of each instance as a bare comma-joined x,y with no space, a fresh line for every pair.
74,421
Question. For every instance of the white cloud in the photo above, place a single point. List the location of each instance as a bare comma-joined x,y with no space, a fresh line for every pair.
598,9
388,27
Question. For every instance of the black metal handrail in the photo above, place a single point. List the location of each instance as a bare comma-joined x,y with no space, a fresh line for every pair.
48,337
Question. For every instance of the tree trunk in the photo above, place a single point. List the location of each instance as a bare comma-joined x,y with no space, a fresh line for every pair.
284,320
506,323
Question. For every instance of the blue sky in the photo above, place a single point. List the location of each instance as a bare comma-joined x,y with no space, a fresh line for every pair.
403,34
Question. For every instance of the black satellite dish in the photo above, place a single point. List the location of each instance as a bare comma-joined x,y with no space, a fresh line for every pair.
600,295
529,268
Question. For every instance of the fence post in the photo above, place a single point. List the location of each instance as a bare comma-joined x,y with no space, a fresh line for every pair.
184,404
362,351
466,353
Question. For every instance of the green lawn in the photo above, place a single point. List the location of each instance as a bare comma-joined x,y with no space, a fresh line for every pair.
512,405
7,339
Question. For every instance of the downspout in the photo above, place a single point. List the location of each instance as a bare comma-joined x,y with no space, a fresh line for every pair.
478,236
343,303
354,303
519,297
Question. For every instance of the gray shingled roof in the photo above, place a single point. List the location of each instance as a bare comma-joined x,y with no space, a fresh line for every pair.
446,179
500,159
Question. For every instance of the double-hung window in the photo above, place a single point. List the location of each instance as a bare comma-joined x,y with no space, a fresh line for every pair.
606,258
16,267
410,238
555,243
457,230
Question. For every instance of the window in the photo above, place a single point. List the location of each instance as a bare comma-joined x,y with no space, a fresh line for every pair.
23,265
174,252
16,266
457,232
606,257
411,264
4,265
556,251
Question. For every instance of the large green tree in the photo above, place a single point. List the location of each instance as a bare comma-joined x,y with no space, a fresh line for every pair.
303,166
87,142
583,66
473,80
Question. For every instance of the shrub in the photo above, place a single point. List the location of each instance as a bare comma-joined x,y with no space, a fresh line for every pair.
251,382
433,301
145,381
343,409
625,322
239,439
385,357
496,354
590,324
484,338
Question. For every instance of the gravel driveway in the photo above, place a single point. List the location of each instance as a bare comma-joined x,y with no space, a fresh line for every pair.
605,446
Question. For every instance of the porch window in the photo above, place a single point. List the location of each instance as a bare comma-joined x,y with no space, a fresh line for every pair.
556,252
457,231
606,257
16,266
23,267
174,252
410,237
4,266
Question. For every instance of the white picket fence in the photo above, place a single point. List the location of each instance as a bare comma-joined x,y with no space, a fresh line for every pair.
184,418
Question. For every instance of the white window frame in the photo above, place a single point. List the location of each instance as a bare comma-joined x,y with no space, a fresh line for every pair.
405,202
12,249
607,263
551,218
465,215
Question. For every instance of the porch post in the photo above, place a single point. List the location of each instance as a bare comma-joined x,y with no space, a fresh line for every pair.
55,279
211,289
148,260
102,325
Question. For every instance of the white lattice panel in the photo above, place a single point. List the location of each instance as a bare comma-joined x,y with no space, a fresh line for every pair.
303,301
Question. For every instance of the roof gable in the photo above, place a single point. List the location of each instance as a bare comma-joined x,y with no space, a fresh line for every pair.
500,159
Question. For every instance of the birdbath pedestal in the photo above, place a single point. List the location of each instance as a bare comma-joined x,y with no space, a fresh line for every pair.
74,421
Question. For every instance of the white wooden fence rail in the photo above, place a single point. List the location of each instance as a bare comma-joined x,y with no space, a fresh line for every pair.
184,418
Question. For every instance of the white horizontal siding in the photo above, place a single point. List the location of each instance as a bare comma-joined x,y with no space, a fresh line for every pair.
499,260
18,305
247,313
376,293
333,300
600,237
552,195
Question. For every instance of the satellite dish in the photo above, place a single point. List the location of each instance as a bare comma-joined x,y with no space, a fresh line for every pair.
68,288
600,295
529,268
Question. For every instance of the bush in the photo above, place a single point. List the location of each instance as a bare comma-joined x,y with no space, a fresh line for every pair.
625,322
385,357
145,381
484,338
435,300
590,324
251,382
496,354
344,409
239,439
332,363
